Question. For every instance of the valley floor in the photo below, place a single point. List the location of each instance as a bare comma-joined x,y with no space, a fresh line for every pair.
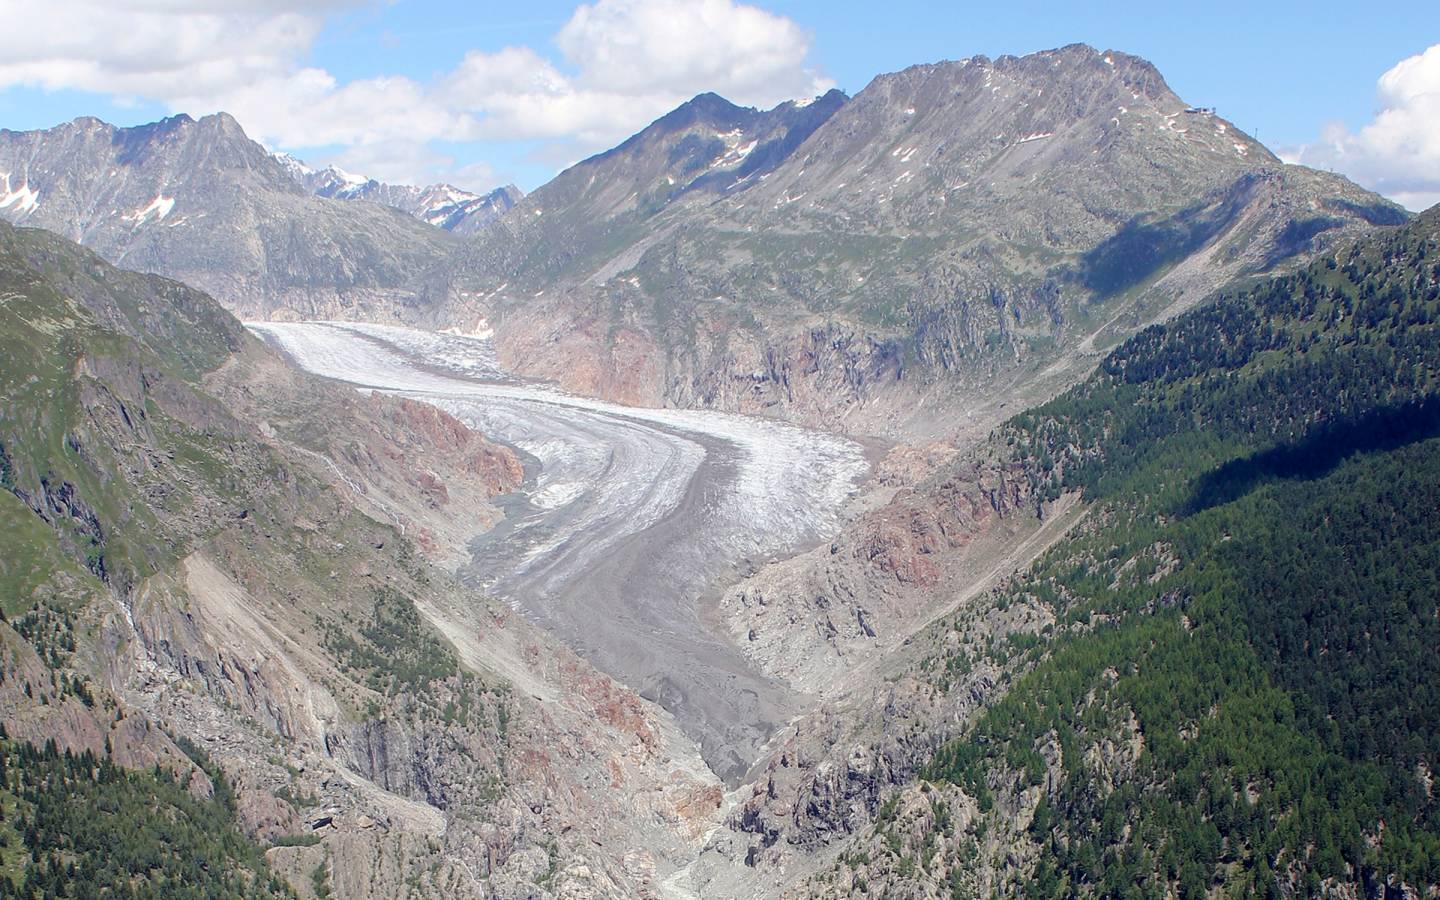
628,521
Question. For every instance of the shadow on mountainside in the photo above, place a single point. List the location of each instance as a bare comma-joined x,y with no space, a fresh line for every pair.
1318,453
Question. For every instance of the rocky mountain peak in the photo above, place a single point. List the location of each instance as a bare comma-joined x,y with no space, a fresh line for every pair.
946,209
1084,121
220,124
1055,87
200,201
88,122
442,205
213,147
708,108
167,125
710,115
704,147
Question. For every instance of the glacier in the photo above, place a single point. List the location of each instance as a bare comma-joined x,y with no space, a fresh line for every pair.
630,519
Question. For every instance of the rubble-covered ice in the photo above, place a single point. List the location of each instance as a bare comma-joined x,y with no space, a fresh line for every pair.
633,515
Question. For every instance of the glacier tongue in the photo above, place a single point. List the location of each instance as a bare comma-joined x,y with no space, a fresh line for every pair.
633,518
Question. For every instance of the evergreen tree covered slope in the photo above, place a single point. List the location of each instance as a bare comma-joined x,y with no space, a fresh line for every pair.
77,825
1238,690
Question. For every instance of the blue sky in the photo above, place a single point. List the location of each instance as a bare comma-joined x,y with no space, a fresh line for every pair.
484,93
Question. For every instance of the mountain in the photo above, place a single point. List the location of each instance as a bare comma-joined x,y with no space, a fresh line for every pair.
951,225
232,632
201,202
442,205
1144,602
957,236
706,147
1216,679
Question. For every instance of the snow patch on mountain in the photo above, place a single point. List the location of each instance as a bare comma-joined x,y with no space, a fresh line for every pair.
293,167
160,207
441,205
22,199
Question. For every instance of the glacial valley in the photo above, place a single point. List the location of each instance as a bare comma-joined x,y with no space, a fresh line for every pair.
630,519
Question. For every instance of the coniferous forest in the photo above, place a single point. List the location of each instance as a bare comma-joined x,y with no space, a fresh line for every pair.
77,825
1252,605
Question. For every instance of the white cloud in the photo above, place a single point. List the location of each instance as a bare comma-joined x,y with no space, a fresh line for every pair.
633,61
621,64
1398,152
408,162
309,108
689,46
200,56
140,48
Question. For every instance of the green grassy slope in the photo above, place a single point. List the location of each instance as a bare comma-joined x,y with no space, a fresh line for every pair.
109,460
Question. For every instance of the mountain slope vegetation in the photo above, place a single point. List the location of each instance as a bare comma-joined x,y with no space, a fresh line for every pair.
179,572
77,334
81,826
1236,687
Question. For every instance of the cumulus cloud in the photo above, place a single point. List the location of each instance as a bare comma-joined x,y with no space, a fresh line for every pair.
632,61
309,108
621,64
632,46
1398,152
146,48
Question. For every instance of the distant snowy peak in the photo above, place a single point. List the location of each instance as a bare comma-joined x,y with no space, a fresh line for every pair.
293,167
441,205
460,211
335,182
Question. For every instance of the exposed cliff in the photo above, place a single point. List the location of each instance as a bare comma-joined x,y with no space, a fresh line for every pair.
179,569
200,202
956,232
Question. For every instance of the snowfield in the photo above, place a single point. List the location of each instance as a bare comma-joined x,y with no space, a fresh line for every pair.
630,518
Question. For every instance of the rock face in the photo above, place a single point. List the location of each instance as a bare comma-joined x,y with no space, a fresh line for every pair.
442,205
406,462
704,148
870,263
199,542
201,202
960,223
820,618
